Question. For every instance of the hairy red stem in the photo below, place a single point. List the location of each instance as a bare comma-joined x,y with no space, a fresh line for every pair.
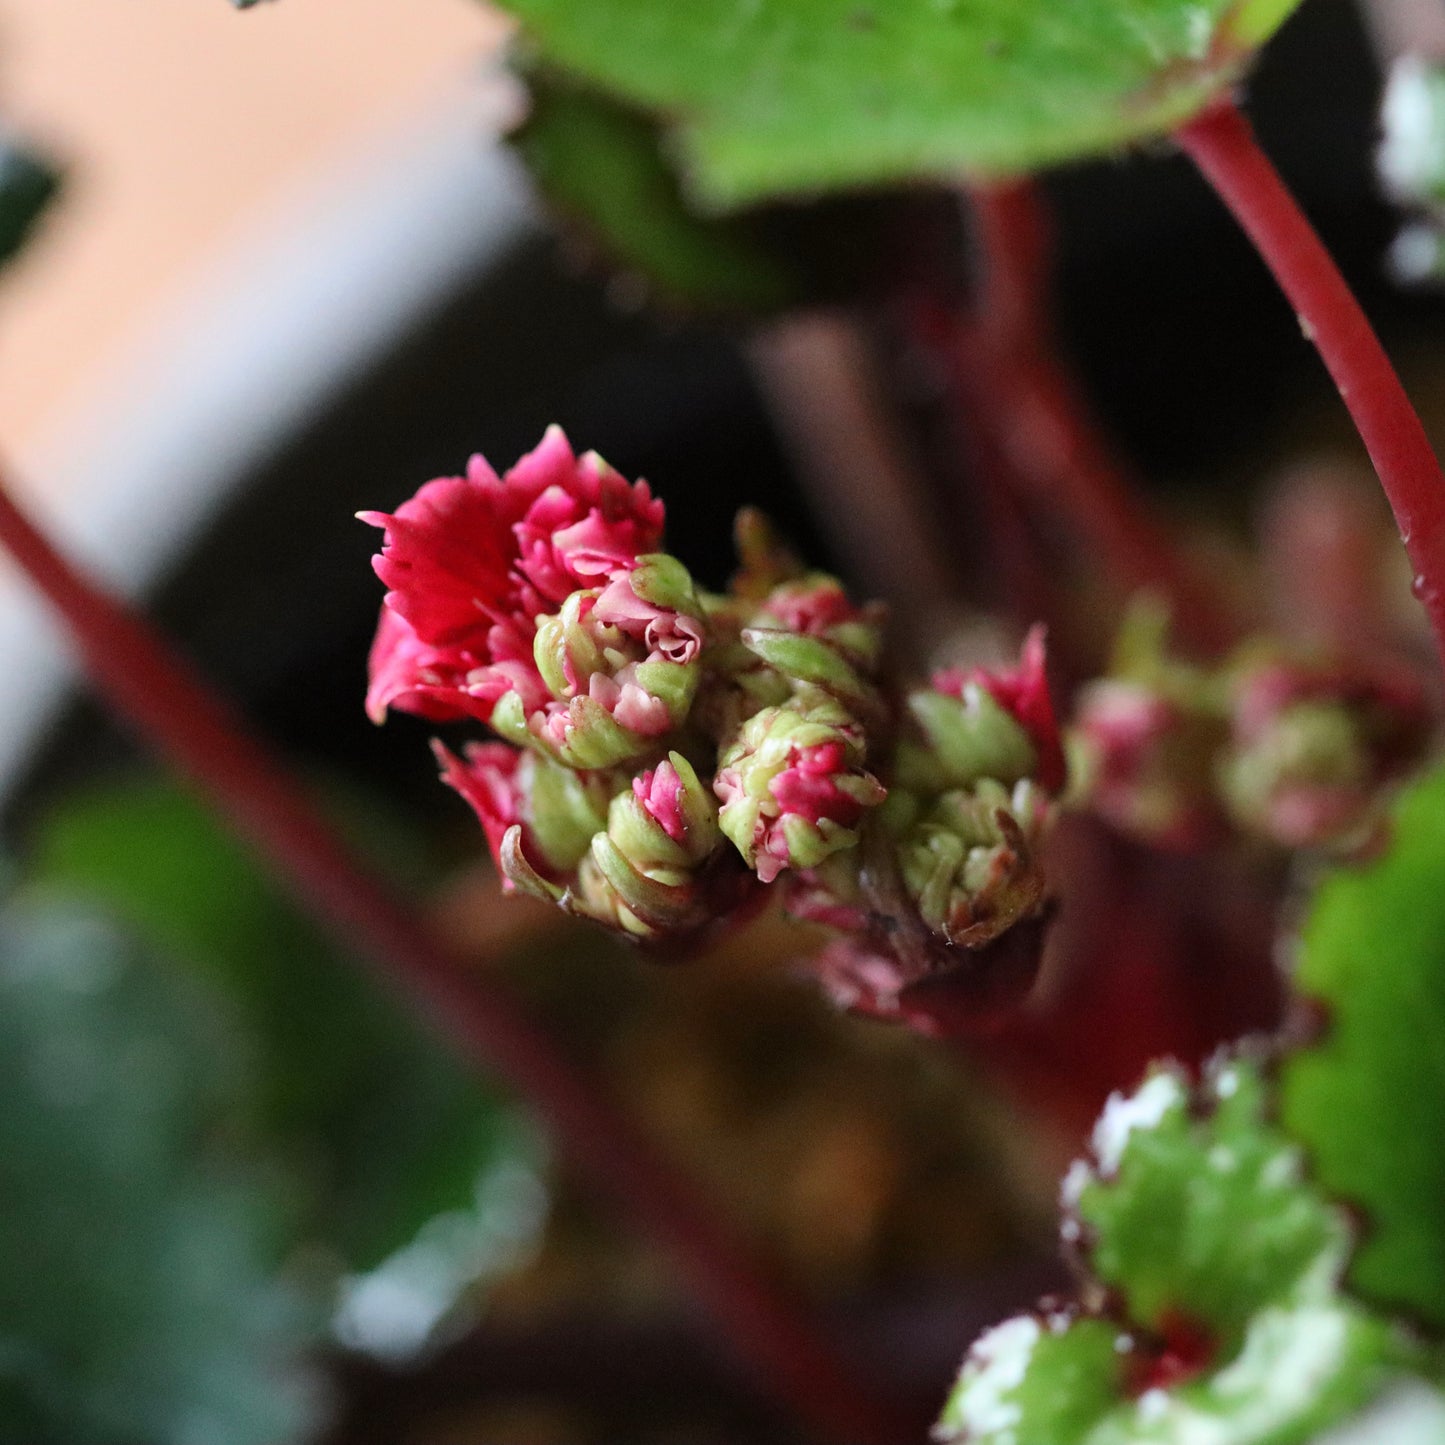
174,710
1045,427
1221,144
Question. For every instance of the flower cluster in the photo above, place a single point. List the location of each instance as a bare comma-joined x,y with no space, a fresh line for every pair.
953,889
1280,747
664,753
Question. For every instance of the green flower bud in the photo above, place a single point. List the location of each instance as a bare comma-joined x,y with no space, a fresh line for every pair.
970,862
793,785
572,644
643,874
566,809
964,739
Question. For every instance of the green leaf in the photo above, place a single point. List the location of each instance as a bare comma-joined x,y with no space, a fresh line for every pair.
601,165
1038,1380
1221,1261
1206,1216
784,96
27,187
607,171
389,1128
1368,1098
138,1285
1061,1381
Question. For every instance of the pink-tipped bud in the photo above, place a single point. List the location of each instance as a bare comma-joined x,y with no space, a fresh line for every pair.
1145,762
552,812
793,787
1311,749
1023,693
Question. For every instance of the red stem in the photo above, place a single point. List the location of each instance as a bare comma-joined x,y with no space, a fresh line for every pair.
1222,145
1056,447
168,703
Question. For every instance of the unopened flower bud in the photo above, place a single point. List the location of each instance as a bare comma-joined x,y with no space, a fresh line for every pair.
645,873
668,816
1021,692
962,740
1145,761
816,605
793,786
1145,739
971,863
1311,749
620,665
812,662
952,861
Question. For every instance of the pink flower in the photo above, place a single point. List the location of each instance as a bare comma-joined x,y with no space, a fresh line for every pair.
489,778
478,565
659,790
1023,693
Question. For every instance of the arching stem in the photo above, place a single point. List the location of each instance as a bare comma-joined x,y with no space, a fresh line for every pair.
171,707
1221,144
1057,450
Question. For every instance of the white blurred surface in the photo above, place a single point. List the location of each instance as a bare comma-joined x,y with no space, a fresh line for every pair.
279,304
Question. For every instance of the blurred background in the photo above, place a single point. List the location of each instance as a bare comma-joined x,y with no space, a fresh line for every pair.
183,128
243,1198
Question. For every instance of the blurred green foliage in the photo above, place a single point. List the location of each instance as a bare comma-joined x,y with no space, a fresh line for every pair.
1367,1096
379,1121
1217,1215
188,1113
603,166
608,170
1220,1262
140,1299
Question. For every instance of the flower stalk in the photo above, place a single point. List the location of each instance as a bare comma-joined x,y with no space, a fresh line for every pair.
1222,146
1006,367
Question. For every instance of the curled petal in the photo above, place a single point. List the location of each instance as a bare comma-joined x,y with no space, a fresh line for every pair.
446,555
633,706
410,674
654,602
472,562
586,520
